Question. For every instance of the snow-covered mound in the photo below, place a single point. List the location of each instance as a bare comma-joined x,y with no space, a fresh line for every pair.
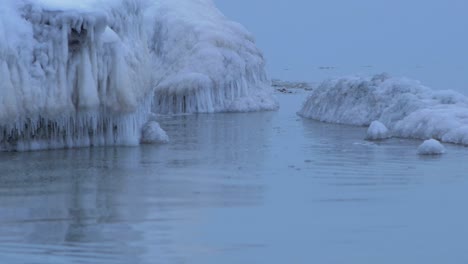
377,131
153,134
407,108
81,73
431,147
211,64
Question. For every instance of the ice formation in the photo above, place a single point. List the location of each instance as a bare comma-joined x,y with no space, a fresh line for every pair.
211,64
153,134
407,108
83,73
431,147
377,131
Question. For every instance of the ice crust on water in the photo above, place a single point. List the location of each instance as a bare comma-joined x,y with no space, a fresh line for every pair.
431,147
81,73
377,131
406,107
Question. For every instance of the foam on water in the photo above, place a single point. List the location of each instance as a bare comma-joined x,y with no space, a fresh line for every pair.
406,107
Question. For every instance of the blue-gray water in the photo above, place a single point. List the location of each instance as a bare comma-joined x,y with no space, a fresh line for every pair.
263,187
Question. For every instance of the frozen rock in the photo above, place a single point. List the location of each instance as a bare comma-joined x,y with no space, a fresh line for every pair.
431,147
89,73
205,62
406,107
71,74
152,133
377,131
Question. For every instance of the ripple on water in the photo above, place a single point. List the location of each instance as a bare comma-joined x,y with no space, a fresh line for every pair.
230,188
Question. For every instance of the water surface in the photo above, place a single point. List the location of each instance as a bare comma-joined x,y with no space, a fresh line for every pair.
264,187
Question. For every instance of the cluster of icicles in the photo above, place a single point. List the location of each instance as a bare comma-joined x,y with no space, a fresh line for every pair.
95,73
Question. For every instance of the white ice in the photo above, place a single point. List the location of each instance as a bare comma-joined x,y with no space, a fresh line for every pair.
406,107
210,64
82,73
431,147
377,131
152,133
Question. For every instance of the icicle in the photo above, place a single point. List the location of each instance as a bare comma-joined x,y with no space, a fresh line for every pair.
78,75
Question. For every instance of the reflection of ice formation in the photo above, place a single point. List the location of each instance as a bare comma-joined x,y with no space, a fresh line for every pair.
407,108
123,205
84,73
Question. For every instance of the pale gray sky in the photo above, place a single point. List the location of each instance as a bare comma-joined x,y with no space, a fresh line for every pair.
297,36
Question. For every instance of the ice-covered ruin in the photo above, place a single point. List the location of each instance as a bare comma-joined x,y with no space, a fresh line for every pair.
406,107
88,73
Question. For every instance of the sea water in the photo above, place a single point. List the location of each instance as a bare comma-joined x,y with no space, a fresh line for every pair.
266,187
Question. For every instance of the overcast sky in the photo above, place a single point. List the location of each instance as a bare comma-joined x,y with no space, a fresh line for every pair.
299,35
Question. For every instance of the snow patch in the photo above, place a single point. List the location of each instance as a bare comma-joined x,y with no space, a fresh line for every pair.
406,107
377,131
431,147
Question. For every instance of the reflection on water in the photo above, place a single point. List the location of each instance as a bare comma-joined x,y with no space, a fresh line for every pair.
237,188
91,204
